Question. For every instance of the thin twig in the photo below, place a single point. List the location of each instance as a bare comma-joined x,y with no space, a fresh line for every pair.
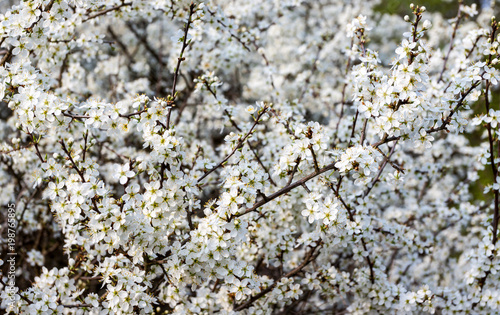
459,17
285,190
185,43
240,143
381,169
93,16
309,257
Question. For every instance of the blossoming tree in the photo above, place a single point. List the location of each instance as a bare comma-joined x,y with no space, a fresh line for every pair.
252,157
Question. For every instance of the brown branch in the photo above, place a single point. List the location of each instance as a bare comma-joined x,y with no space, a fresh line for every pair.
309,257
17,149
6,57
363,131
363,243
353,127
445,122
232,35
49,6
75,116
286,189
381,169
494,171
240,143
64,66
134,113
20,293
35,143
97,14
185,43
85,145
262,164
68,154
76,305
295,168
459,17
315,160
